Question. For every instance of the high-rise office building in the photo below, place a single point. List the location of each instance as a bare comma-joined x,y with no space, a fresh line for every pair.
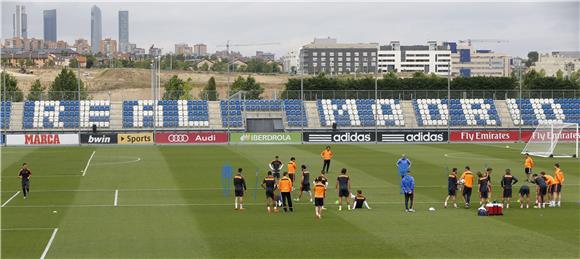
50,25
19,23
96,28
123,31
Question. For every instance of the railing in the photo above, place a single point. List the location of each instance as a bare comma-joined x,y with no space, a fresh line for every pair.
309,95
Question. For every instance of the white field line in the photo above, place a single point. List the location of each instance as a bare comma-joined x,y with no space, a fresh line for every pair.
6,202
88,163
25,229
220,188
49,243
116,202
210,204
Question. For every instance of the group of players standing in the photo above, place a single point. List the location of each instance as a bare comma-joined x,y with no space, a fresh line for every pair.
545,185
278,187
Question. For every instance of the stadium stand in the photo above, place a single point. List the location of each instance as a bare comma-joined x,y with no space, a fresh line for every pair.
5,112
463,112
232,111
544,111
171,113
66,114
360,112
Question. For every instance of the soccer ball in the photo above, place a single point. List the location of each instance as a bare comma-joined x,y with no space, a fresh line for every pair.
431,209
461,181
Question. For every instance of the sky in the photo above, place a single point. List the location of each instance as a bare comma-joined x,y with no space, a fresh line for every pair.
541,26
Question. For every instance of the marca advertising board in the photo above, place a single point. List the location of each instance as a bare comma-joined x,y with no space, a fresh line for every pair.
99,139
41,139
191,138
135,138
370,137
265,138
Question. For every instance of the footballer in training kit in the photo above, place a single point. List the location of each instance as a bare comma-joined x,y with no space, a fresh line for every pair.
24,174
239,189
359,201
276,166
467,178
305,184
451,188
269,184
343,187
507,182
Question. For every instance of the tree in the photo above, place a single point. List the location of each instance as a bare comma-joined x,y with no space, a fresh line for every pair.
533,57
36,91
65,87
73,63
560,74
209,92
187,86
252,89
10,85
91,61
174,88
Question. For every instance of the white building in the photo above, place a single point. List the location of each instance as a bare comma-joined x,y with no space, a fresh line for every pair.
468,61
430,58
565,61
290,62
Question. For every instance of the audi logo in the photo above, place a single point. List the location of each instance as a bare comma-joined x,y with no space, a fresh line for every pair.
178,138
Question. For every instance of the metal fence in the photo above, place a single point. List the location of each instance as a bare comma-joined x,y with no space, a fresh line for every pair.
146,94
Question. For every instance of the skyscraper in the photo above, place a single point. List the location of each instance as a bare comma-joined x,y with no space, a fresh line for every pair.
50,25
96,28
123,30
19,23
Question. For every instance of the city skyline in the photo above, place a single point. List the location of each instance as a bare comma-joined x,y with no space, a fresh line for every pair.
527,26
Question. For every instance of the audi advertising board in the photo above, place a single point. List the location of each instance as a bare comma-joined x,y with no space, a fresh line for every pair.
191,138
484,136
41,139
265,138
339,137
99,139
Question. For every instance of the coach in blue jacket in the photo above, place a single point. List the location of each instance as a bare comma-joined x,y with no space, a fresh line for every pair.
403,165
408,188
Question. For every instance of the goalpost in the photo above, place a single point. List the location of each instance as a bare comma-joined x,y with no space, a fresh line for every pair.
554,140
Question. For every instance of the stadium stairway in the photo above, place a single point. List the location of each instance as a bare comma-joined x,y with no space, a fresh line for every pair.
116,118
504,115
409,114
215,116
312,114
16,116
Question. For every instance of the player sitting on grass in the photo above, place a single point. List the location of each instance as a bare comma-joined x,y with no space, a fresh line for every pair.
269,184
359,201
451,188
319,193
408,189
305,184
551,186
524,196
483,188
559,178
541,190
507,182
343,188
239,189
467,179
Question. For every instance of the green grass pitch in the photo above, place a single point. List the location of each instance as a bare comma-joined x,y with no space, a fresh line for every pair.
171,205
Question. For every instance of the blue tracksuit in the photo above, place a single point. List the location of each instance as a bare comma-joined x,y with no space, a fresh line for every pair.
403,166
408,184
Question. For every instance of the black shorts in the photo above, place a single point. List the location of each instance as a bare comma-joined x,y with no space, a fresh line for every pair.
270,194
528,170
276,175
318,201
343,193
507,193
26,183
525,192
484,195
305,187
552,188
291,176
543,190
467,191
239,193
451,192
558,187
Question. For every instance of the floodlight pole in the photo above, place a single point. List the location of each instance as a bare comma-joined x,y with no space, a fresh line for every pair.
302,96
4,99
376,110
519,103
79,96
449,101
